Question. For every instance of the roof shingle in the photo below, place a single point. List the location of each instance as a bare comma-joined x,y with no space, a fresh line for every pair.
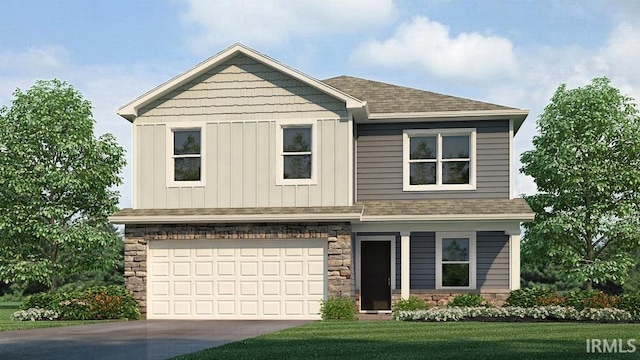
386,98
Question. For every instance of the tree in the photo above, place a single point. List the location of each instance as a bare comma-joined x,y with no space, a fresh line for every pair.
586,164
56,187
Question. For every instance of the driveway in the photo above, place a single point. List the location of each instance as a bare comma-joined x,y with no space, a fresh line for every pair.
146,339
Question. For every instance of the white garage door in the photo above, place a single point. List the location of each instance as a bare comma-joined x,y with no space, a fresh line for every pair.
236,279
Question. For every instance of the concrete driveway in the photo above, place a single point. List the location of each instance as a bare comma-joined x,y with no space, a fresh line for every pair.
146,339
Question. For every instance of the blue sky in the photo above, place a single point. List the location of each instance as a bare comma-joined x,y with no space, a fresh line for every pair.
512,53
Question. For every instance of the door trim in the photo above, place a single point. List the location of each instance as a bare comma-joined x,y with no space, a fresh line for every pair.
392,264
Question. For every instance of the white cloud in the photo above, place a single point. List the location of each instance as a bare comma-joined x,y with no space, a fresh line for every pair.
33,59
428,45
273,22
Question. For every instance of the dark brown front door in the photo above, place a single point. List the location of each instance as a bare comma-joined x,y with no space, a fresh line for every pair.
375,281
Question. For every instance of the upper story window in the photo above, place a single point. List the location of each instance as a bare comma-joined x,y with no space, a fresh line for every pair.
186,156
456,260
439,159
297,154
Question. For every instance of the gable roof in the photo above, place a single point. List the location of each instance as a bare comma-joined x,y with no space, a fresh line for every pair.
387,101
129,111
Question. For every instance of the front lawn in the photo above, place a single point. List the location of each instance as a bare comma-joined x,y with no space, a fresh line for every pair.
420,340
6,324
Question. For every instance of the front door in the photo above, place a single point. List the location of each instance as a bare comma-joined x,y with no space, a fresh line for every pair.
375,287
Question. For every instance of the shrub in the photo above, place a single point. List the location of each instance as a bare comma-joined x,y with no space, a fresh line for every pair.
467,300
95,303
591,299
526,297
412,303
551,299
540,312
630,303
338,309
35,314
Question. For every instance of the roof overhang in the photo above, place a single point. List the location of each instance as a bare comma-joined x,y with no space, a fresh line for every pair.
517,115
130,110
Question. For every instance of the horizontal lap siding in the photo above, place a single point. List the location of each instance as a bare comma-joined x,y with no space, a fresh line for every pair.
423,260
238,104
379,161
492,260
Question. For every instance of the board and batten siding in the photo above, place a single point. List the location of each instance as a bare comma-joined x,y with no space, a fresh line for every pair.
492,260
379,161
238,105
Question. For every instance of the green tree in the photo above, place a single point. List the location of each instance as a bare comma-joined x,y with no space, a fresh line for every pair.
586,164
56,187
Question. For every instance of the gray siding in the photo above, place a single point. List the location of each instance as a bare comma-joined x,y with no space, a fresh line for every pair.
492,248
492,260
379,161
238,105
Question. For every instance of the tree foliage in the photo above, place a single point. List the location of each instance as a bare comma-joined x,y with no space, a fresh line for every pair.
586,164
56,186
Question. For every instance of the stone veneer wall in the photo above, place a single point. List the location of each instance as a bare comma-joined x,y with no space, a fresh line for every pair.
338,235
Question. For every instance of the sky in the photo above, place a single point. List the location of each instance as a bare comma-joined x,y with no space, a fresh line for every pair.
513,53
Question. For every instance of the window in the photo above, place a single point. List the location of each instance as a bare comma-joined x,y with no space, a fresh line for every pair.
439,159
455,260
296,152
187,155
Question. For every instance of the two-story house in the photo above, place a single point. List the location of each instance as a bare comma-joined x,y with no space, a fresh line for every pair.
259,191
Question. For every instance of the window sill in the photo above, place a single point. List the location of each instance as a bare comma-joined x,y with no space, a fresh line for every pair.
185,184
296,182
438,188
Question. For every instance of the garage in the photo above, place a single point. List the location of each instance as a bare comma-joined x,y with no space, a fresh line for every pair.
236,279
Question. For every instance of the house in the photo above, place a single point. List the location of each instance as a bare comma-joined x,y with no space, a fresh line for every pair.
259,191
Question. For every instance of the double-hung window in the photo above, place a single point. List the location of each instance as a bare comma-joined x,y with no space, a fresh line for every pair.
186,156
439,159
456,260
297,155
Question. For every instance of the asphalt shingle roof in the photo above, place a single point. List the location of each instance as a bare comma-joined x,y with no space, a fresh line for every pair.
387,98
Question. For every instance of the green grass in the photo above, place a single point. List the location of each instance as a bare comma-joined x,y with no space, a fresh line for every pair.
6,324
421,340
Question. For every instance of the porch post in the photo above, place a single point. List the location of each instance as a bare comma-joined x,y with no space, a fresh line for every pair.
514,261
405,259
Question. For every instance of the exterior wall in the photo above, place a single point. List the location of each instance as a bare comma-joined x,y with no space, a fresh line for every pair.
379,161
492,261
338,235
239,104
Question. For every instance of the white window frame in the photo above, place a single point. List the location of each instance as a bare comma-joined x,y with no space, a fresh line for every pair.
170,156
438,134
283,124
471,235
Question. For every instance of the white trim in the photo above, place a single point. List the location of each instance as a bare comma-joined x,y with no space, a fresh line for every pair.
405,264
511,162
280,125
392,243
134,166
438,133
472,259
129,111
514,262
350,160
509,227
182,219
170,156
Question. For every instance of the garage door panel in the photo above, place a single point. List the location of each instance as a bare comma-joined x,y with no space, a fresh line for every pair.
237,279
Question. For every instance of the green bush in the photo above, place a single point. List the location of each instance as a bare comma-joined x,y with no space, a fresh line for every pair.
526,297
410,304
338,309
467,300
630,303
592,299
95,303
